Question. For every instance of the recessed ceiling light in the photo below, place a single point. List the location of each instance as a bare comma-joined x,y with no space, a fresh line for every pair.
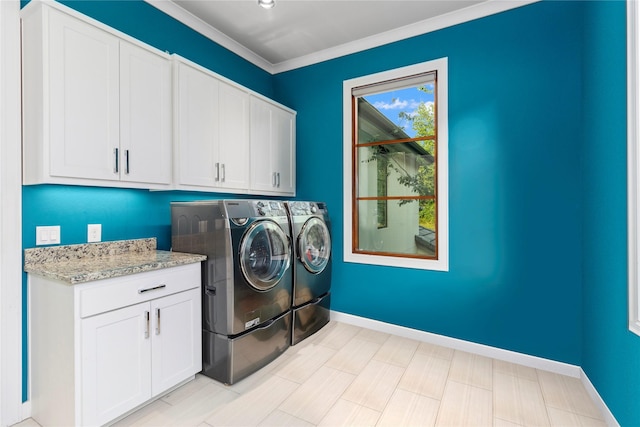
267,4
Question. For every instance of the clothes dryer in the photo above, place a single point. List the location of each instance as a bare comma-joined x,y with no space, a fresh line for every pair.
310,231
246,281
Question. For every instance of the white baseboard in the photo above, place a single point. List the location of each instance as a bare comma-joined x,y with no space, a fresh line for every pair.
595,396
25,410
457,344
483,350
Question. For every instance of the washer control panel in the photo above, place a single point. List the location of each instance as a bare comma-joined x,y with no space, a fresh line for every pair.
306,208
269,208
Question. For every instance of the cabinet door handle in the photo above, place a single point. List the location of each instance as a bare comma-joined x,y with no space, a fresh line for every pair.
224,173
116,155
278,175
157,321
146,329
142,291
273,179
217,171
126,162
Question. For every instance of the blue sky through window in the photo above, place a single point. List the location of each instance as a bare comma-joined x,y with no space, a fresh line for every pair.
393,102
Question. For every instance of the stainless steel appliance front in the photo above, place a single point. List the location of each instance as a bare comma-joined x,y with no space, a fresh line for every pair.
310,231
247,281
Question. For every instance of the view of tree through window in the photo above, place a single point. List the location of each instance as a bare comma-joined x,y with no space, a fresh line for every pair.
395,151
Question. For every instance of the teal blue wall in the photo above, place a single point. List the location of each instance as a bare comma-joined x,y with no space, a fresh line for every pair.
537,182
515,278
611,354
123,213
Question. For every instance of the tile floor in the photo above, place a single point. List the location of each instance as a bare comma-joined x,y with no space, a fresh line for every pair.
349,376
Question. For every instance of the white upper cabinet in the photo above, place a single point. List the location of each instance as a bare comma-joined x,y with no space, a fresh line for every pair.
71,122
97,108
234,136
211,131
145,115
196,124
272,148
101,108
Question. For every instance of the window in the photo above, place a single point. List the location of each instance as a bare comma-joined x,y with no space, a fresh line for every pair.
633,159
395,167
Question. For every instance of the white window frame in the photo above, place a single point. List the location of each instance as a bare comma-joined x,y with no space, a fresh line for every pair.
633,162
442,263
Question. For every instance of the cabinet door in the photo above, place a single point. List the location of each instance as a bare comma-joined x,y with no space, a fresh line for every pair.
177,339
83,105
263,176
145,116
116,371
272,148
234,137
197,127
283,150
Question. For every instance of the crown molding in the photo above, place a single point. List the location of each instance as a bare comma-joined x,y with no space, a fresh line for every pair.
470,13
198,25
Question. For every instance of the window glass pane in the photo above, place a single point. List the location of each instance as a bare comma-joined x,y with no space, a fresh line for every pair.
407,231
396,171
402,169
398,114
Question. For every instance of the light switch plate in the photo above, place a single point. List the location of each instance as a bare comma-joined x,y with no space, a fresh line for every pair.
48,235
94,232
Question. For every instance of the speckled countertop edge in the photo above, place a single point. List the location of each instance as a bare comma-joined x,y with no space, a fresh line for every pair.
82,263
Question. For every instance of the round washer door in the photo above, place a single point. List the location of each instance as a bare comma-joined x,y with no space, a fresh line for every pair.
314,245
265,255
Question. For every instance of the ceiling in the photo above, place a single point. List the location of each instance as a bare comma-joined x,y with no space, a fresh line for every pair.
296,33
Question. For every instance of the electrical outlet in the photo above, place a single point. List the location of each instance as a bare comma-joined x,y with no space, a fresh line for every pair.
94,232
48,235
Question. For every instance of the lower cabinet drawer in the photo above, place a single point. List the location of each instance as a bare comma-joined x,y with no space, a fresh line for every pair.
110,294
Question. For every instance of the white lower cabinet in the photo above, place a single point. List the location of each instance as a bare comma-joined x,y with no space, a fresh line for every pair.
116,363
127,341
176,325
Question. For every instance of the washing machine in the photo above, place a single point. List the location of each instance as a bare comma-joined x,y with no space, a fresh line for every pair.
246,281
310,231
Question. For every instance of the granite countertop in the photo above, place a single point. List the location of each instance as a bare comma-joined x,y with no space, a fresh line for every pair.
75,264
